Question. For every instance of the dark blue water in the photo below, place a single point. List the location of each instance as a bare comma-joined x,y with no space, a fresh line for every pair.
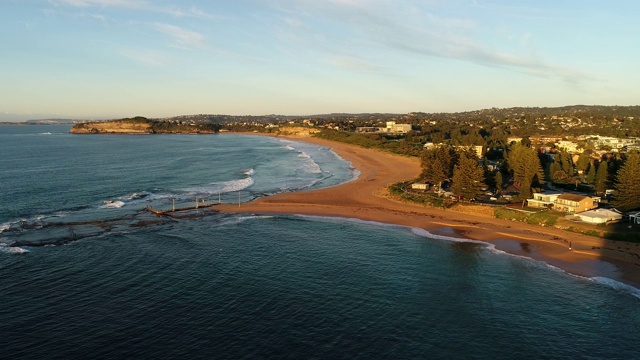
244,286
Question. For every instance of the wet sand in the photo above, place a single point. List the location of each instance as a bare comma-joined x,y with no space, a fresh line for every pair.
366,198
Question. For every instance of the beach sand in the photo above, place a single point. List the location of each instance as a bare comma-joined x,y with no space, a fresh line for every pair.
366,198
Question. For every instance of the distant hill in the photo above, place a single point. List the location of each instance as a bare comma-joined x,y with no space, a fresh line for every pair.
620,121
142,125
49,121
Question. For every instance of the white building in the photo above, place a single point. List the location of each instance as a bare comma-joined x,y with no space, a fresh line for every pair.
569,146
599,216
392,127
419,186
543,200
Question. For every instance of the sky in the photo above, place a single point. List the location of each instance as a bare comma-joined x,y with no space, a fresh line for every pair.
97,59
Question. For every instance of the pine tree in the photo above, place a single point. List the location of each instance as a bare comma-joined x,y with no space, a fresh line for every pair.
602,176
525,166
499,181
555,170
583,162
591,174
565,163
438,163
525,190
627,196
468,177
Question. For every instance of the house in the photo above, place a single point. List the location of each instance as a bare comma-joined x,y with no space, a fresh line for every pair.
543,200
599,216
573,203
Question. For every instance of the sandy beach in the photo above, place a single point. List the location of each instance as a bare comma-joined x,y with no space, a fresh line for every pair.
366,198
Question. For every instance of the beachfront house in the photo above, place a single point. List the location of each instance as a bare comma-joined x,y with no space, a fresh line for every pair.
599,216
573,203
543,200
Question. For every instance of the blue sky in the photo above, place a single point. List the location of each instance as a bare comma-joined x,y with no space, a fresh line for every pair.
157,58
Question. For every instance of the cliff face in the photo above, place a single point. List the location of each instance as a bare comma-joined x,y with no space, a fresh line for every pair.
297,131
112,127
141,125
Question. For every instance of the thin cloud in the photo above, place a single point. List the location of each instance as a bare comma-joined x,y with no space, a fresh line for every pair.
181,37
131,4
354,64
144,57
140,5
408,26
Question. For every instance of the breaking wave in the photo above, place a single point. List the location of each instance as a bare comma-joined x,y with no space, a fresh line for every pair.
236,185
7,249
108,204
616,285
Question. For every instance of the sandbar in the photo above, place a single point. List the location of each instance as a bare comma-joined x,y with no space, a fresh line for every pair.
366,198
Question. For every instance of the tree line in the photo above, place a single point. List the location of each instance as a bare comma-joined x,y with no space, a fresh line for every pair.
528,170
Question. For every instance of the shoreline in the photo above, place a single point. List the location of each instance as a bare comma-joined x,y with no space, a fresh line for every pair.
366,198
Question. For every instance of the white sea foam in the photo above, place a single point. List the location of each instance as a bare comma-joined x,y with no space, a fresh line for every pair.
240,219
304,155
250,172
311,167
112,204
237,185
223,187
12,249
4,227
136,196
289,147
617,285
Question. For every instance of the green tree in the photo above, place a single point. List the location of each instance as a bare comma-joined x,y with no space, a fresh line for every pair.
583,162
602,176
627,196
591,174
499,181
525,167
525,190
566,163
468,177
555,171
438,163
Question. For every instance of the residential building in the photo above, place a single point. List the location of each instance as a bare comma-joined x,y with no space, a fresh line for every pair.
573,203
543,200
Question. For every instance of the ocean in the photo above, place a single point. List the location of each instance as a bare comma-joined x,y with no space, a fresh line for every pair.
86,272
